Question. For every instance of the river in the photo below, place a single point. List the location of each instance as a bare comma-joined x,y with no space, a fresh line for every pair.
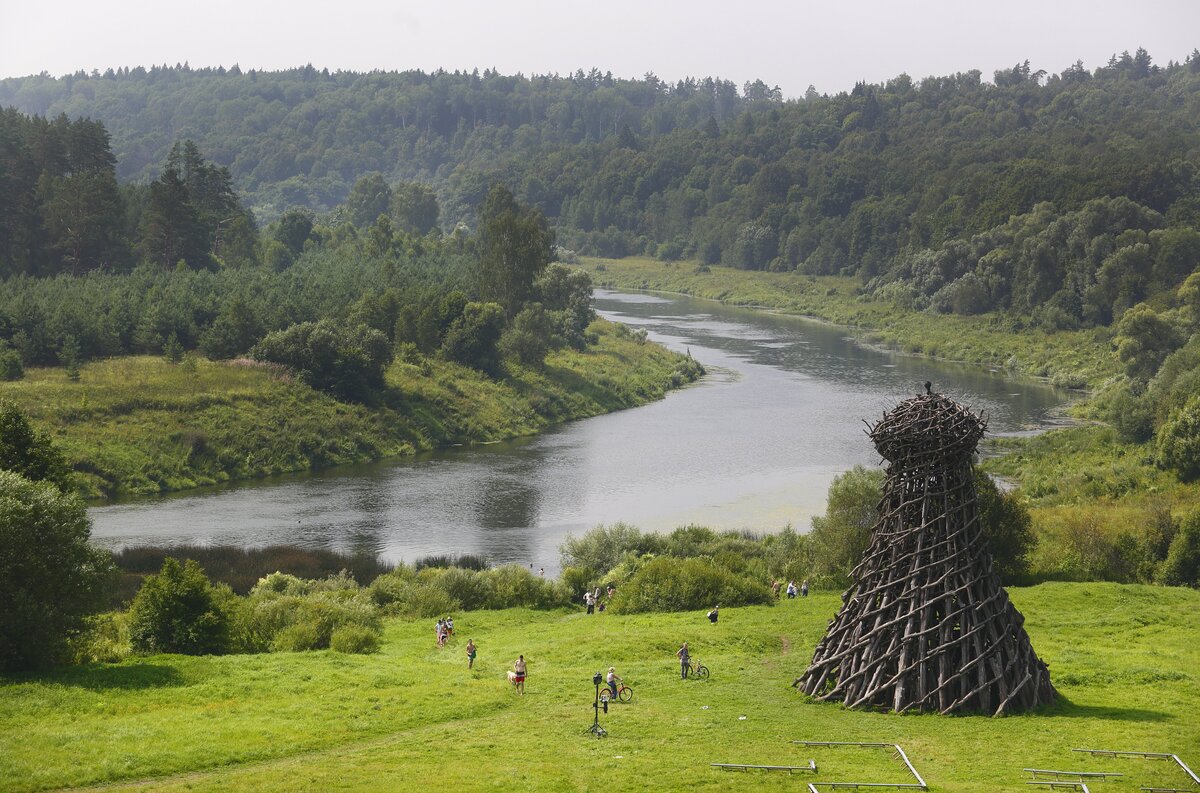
753,445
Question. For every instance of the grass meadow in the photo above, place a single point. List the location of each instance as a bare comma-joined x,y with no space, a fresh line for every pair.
1125,659
138,425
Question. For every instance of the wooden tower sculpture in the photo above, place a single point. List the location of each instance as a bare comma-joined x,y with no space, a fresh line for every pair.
925,624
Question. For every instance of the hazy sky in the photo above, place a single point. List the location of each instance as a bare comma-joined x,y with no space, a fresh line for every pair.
792,44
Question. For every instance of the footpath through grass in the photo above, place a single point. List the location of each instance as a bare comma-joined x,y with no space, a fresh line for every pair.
1125,658
140,425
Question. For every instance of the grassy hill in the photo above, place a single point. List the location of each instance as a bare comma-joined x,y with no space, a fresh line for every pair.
140,425
1124,659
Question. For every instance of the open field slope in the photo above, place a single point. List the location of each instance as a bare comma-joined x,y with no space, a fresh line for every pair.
1125,660
1075,358
140,425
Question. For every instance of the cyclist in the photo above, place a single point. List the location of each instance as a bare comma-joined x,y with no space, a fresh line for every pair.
682,653
613,678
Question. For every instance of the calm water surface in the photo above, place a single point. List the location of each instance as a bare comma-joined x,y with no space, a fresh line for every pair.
753,445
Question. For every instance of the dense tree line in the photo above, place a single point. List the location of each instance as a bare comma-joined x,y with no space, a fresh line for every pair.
879,181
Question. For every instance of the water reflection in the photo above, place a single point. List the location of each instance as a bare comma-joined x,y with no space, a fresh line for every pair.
754,445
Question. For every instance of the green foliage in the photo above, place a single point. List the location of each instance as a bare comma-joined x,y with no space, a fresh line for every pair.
179,611
348,362
68,356
355,639
30,454
173,350
515,245
841,535
1182,564
530,335
1179,441
51,579
1144,340
305,615
369,198
1007,529
415,208
10,365
603,547
473,338
670,584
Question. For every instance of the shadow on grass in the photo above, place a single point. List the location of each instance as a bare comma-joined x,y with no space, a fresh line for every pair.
102,677
1064,708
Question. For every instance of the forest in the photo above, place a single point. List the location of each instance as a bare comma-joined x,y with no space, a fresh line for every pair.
1066,197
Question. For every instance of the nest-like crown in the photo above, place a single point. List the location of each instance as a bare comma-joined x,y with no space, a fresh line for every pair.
930,425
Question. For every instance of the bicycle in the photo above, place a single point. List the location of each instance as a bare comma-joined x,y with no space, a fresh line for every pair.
697,669
624,693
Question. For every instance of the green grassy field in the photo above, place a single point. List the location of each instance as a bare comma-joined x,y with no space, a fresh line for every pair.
139,425
1075,358
1125,659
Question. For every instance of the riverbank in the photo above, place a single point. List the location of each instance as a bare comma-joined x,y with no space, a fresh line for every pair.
413,715
1095,501
138,425
1074,359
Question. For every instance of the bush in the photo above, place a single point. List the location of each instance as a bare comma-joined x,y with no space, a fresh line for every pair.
513,586
1182,565
468,588
346,361
1007,528
671,584
401,593
179,611
105,640
29,453
354,639
10,365
51,579
294,622
840,536
603,547
298,638
1179,441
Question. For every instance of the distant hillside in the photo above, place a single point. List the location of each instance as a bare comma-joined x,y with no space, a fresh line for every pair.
950,192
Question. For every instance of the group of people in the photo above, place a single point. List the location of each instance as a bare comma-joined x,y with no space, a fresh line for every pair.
792,590
445,629
593,600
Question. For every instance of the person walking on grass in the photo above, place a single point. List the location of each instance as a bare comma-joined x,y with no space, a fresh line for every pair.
519,674
791,589
712,615
804,588
589,601
471,653
682,654
776,585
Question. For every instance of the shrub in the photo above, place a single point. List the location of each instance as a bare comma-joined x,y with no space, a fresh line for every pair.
512,586
29,453
51,579
400,592
1182,565
1006,527
670,584
354,639
603,547
298,638
346,361
105,640
467,587
1179,441
178,611
577,580
841,535
10,365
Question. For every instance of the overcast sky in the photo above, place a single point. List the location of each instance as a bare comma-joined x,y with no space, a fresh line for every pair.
792,44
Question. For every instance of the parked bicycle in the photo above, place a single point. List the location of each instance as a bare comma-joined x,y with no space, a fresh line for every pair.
697,669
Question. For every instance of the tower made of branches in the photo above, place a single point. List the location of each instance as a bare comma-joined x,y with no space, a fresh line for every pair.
925,624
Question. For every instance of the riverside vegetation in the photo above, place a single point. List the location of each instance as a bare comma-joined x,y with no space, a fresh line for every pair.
1109,496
